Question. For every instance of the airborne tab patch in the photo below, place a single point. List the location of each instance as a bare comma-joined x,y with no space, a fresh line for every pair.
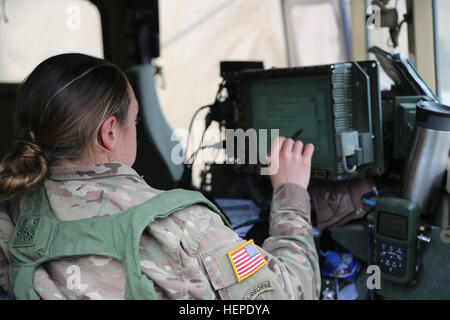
246,260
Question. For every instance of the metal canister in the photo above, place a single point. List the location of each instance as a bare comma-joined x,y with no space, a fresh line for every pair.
427,159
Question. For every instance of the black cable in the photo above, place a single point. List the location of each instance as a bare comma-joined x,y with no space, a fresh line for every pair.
190,128
200,147
340,202
194,157
185,181
393,192
215,145
208,120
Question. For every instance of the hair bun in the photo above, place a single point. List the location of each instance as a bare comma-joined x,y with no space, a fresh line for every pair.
23,169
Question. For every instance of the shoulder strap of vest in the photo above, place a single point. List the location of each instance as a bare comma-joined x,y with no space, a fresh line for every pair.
38,238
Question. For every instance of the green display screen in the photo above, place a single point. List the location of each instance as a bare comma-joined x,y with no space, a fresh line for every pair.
392,225
290,104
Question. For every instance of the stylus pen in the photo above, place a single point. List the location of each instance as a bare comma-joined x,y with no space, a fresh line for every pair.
297,134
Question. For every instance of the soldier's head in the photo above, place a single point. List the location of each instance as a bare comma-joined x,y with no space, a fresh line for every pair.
73,109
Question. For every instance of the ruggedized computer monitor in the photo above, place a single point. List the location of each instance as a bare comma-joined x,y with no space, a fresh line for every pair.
338,108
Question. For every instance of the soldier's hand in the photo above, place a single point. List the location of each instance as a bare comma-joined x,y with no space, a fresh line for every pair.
290,161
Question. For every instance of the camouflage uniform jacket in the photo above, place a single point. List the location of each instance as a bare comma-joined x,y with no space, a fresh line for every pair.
172,250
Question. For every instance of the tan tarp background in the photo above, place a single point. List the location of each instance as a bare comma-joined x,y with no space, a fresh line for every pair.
315,31
197,35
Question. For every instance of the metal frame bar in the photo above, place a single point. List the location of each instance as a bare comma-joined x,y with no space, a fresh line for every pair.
359,29
421,39
290,63
436,47
347,29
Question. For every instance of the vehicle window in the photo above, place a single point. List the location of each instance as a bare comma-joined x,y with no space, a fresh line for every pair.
33,30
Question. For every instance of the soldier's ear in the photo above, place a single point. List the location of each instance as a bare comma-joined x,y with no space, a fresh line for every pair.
109,133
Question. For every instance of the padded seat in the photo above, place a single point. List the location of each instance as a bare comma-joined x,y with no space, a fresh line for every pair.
154,144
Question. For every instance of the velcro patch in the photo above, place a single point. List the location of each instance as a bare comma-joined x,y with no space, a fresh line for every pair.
25,231
246,260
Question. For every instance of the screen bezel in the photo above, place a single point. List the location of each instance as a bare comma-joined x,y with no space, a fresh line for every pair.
382,232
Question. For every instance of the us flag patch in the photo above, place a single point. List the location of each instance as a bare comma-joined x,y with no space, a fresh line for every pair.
246,260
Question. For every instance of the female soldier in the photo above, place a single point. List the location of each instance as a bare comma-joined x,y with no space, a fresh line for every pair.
73,206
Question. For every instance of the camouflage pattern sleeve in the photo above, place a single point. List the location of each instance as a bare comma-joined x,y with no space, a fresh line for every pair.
6,229
293,256
290,250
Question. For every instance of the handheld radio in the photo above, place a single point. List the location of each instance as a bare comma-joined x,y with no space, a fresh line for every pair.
396,231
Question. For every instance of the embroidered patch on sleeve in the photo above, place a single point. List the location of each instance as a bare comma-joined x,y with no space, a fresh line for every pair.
246,260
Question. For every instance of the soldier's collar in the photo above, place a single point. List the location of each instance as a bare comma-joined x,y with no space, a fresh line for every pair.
91,172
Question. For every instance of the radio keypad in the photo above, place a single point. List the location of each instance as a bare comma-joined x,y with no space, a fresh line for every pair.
391,258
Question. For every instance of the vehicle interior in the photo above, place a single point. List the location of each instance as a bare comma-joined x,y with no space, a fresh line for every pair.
366,81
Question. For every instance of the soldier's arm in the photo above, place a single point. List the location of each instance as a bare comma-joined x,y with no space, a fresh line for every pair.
292,270
293,257
289,251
